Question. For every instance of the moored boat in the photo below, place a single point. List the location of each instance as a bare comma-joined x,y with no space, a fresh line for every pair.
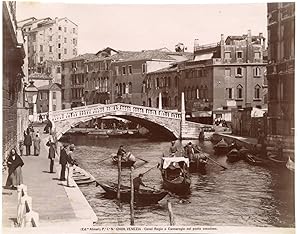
126,161
198,162
253,160
290,164
145,196
175,174
221,147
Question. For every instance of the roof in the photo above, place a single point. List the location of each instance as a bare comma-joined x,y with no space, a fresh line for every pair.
39,76
67,19
86,56
49,86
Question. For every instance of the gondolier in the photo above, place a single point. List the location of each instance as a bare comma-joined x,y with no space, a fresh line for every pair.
121,151
137,182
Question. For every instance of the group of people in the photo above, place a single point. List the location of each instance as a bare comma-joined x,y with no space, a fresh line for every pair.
66,160
30,136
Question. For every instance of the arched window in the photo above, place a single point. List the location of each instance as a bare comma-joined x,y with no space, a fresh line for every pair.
130,87
169,102
157,83
257,72
239,89
124,88
257,91
120,89
149,102
239,72
157,102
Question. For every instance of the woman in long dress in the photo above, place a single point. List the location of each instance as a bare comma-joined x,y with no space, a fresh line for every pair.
14,163
36,144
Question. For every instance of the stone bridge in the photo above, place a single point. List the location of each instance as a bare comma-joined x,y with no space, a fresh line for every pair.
162,122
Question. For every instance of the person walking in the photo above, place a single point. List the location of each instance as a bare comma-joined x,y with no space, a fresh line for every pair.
27,141
14,163
52,152
63,159
70,163
36,144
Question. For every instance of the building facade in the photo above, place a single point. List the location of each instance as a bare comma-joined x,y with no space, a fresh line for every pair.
13,82
49,98
49,42
280,72
73,80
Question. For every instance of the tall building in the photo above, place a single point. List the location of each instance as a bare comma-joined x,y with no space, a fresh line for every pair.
13,79
49,42
280,72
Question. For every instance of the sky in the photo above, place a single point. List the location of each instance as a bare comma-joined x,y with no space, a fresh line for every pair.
142,27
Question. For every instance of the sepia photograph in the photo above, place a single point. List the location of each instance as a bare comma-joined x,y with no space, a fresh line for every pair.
163,117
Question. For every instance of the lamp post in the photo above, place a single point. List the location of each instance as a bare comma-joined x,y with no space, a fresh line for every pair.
31,93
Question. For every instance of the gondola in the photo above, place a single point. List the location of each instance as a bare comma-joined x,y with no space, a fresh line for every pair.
175,174
290,165
145,196
221,147
198,163
233,156
253,160
127,161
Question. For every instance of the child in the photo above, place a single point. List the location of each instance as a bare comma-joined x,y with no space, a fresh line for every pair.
21,147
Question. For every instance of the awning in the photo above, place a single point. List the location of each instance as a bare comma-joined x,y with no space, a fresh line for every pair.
167,161
203,57
202,114
256,112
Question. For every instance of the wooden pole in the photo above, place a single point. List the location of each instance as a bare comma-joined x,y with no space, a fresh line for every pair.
131,198
119,180
171,216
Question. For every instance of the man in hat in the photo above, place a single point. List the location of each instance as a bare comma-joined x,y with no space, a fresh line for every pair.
137,182
63,159
51,154
173,149
70,163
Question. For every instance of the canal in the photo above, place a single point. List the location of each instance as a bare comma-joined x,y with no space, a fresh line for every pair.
242,195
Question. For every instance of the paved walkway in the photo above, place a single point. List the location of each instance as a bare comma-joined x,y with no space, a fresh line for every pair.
52,199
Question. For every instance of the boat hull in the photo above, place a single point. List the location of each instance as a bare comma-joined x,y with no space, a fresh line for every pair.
233,156
143,197
179,186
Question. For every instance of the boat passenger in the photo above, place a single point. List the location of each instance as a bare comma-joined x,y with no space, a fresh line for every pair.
137,182
173,149
121,151
190,153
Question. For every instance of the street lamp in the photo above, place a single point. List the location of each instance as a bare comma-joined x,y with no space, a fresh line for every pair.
31,93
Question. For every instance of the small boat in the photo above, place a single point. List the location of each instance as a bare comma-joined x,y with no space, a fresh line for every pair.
145,196
221,147
243,152
253,160
290,164
175,174
277,161
233,155
127,161
198,162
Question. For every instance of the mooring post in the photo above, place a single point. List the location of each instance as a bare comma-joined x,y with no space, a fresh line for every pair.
119,180
131,198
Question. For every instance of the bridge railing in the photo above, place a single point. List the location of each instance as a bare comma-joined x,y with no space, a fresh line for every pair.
97,109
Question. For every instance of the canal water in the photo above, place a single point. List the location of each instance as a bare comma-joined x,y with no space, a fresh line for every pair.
242,195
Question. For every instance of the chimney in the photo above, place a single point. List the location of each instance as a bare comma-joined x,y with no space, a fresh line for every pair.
222,47
56,20
260,34
249,33
196,44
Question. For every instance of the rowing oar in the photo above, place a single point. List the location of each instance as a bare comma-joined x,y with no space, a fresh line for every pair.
142,159
197,148
105,159
149,170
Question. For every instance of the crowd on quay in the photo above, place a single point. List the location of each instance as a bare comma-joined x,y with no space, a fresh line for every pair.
14,162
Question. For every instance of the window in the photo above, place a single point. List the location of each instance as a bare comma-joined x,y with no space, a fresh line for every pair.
256,55
74,52
59,36
59,28
197,93
41,48
239,91
65,29
123,70
74,41
73,30
239,71
239,54
54,108
58,70
117,70
65,51
50,49
227,72
59,45
229,93
65,40
59,56
144,68
257,72
54,95
50,29
50,38
157,83
129,69
257,92
227,55
41,59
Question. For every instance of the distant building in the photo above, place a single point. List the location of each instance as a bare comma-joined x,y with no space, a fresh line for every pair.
49,42
73,80
49,98
13,80
281,72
